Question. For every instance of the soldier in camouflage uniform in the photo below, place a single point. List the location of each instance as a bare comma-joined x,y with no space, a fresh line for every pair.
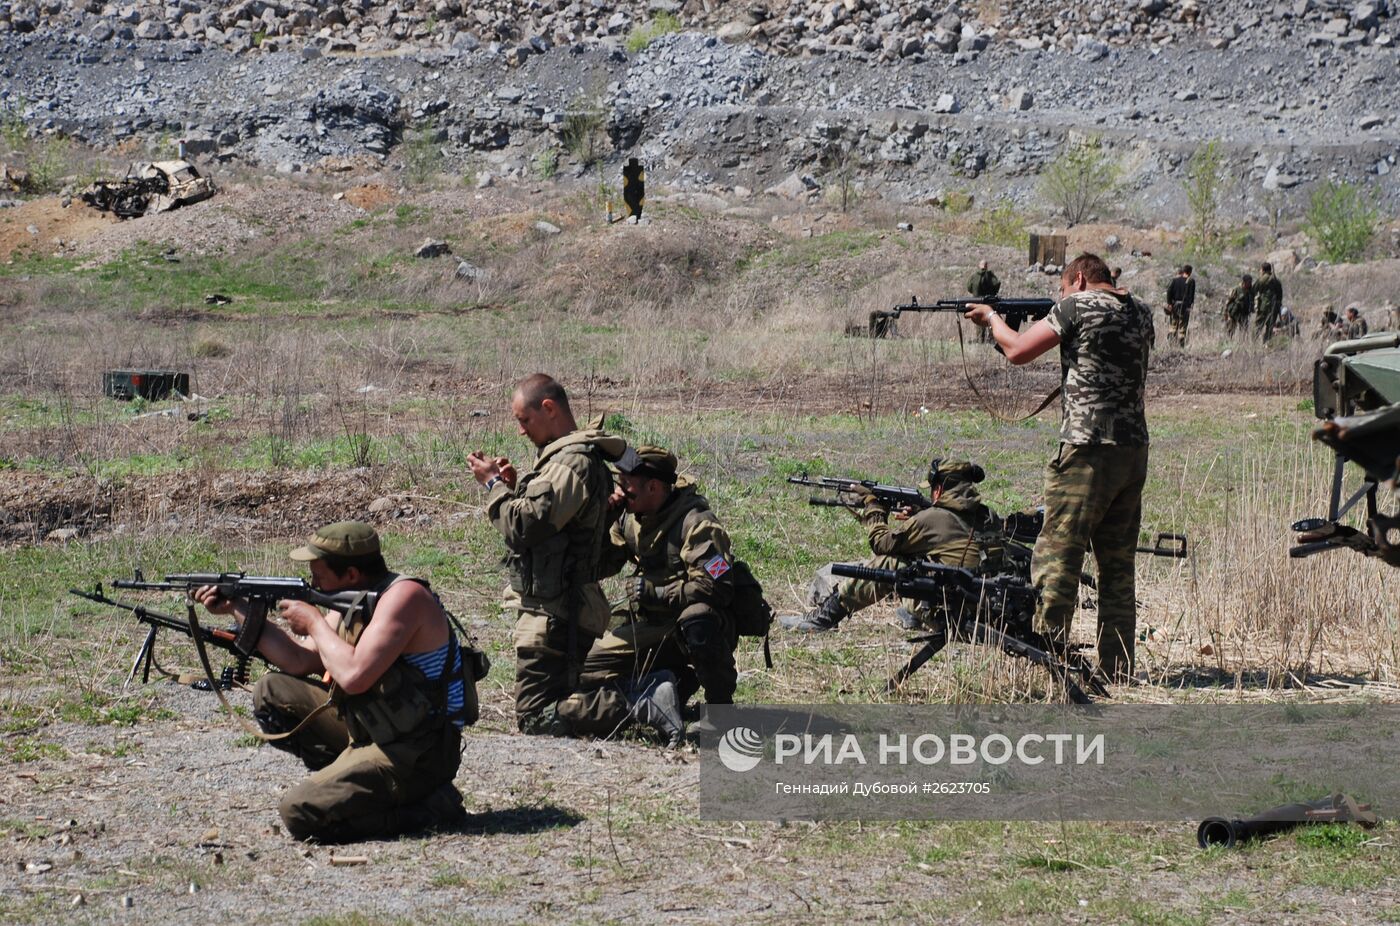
1239,306
983,283
1268,300
677,614
1093,486
957,530
555,521
384,759
1354,326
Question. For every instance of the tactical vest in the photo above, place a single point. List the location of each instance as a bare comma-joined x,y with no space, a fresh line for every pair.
570,559
750,612
403,704
981,550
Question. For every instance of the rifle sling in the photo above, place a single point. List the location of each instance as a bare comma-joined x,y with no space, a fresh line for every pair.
197,635
986,407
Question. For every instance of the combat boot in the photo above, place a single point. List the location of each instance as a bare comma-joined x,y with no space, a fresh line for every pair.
820,619
656,704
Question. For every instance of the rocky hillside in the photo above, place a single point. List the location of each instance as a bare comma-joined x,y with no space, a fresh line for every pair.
736,97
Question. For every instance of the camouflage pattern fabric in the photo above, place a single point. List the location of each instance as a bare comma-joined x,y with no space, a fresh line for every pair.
554,523
950,532
1239,306
1268,300
684,559
356,792
1356,329
1093,499
1105,338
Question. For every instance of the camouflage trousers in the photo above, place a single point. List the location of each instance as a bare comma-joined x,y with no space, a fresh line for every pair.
697,645
1093,500
856,594
1265,323
1181,319
356,791
548,681
1234,323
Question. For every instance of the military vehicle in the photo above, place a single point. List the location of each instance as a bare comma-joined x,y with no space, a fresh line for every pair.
1356,394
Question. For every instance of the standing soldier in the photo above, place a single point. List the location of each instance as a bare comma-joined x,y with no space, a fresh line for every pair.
1093,485
554,520
957,530
1355,326
1181,295
983,283
1268,299
1239,306
634,190
682,603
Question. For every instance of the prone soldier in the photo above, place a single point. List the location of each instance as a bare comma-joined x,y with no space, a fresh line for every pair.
956,530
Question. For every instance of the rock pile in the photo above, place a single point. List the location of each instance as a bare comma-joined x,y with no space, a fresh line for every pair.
517,29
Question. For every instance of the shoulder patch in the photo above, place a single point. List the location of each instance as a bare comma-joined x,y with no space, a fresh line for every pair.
717,566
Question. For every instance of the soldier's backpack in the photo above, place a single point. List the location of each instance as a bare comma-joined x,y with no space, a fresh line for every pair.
753,616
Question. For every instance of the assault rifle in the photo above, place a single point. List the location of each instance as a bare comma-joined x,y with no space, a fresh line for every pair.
1014,311
261,593
848,490
989,611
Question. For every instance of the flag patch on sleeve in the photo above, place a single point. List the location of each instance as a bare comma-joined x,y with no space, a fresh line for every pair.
717,567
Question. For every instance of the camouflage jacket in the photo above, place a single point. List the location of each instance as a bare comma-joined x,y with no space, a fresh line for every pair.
682,551
954,531
1105,338
983,283
1240,303
555,524
1268,295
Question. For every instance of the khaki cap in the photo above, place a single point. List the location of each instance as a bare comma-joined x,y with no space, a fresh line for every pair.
343,539
649,462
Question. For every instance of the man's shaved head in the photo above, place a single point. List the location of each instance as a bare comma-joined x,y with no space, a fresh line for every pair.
537,387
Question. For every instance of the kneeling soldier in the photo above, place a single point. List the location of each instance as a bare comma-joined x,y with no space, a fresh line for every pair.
957,530
385,758
679,614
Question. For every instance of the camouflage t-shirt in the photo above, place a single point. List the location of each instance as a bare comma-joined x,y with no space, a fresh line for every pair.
1104,342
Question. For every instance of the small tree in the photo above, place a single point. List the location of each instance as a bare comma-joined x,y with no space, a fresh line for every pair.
1342,220
1205,182
841,165
584,133
1001,225
1081,180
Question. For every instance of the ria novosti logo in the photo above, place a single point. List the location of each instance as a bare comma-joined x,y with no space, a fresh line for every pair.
740,749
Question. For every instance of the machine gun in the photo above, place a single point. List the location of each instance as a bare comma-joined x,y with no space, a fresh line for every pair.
1356,393
261,593
231,641
883,323
989,611
850,491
